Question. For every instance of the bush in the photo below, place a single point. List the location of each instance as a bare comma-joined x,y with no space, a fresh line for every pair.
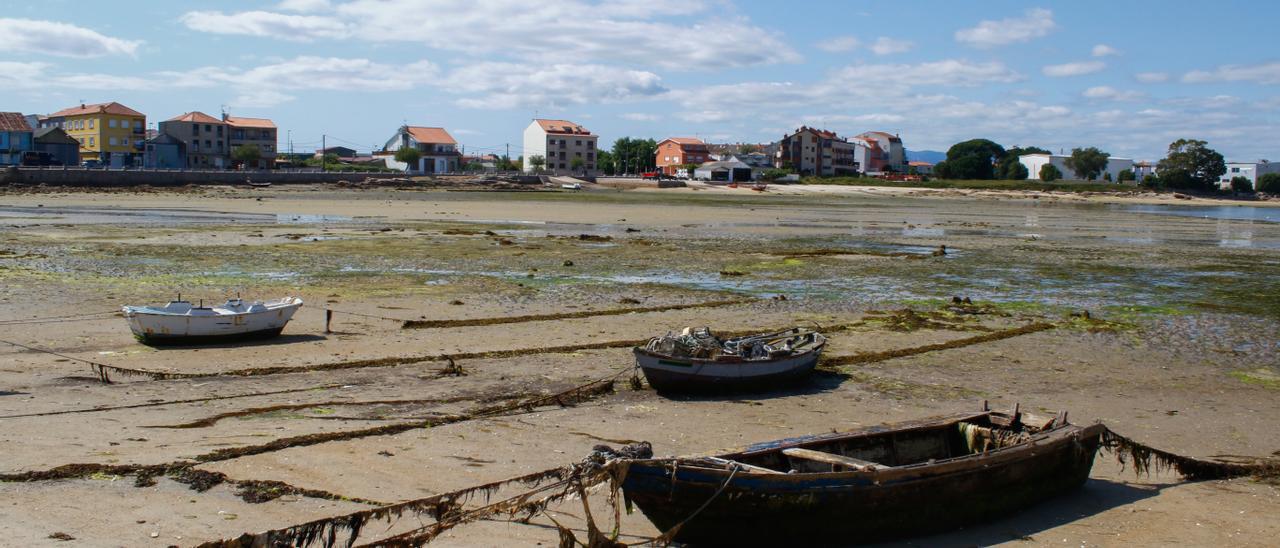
1151,181
409,155
774,174
1126,175
1241,185
1050,173
1017,172
1106,177
1269,183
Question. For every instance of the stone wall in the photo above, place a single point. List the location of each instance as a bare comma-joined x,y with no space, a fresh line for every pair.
132,177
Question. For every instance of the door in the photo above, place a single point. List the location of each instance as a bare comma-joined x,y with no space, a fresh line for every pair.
442,165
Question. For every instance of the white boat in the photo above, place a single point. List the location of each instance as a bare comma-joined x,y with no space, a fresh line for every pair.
179,322
697,361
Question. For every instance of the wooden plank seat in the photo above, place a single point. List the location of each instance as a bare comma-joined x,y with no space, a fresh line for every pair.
831,458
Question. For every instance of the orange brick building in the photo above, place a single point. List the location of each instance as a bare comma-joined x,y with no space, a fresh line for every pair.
674,152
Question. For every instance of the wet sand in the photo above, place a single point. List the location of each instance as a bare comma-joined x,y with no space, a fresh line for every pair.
1184,357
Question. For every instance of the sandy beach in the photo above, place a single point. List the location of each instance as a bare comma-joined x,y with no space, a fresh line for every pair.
1180,349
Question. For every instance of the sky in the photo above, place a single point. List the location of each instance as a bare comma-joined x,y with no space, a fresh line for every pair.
1128,77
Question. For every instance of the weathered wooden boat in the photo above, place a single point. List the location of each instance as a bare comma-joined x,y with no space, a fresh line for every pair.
697,360
874,484
178,322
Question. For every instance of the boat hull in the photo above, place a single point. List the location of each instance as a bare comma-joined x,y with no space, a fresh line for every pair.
158,328
674,375
843,508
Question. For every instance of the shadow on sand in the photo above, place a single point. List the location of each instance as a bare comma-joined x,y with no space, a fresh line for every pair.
815,383
1095,497
282,339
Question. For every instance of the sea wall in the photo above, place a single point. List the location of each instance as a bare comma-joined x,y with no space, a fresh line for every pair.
138,177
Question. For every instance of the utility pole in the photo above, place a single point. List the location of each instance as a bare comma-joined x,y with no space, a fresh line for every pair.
323,150
507,158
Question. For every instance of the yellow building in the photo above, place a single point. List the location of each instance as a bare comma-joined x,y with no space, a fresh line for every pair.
110,133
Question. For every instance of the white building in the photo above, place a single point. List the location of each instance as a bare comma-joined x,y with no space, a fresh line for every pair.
558,142
1248,170
1034,162
438,151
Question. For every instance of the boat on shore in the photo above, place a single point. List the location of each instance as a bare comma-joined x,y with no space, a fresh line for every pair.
178,322
869,485
698,361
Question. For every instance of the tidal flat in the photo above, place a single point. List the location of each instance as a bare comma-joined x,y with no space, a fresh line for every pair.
1180,346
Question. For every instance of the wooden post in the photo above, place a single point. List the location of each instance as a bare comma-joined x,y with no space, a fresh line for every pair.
328,317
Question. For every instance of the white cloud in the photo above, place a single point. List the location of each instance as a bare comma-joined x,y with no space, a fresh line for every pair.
1103,50
640,117
510,85
266,23
1152,77
43,76
949,72
704,116
1074,69
886,46
629,31
1034,23
266,85
1108,93
60,39
840,44
1266,73
303,5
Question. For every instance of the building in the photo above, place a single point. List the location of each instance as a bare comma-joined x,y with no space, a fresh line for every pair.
817,152
259,133
919,168
674,152
1142,169
109,133
1248,170
724,171
438,150
1034,162
204,140
341,152
891,156
15,138
487,162
559,142
166,151
60,147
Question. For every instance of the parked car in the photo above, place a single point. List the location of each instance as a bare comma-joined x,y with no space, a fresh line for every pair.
91,164
35,158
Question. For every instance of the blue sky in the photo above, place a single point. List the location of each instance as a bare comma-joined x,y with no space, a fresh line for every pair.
1128,77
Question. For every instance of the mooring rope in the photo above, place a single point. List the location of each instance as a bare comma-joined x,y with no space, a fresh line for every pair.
60,319
98,367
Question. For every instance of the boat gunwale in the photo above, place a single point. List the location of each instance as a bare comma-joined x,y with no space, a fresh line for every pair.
269,306
815,349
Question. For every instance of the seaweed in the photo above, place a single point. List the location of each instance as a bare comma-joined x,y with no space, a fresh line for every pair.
1146,458
869,357
435,324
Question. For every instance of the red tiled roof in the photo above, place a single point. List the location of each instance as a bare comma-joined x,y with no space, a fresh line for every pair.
687,143
562,127
433,135
240,121
98,108
195,117
13,121
919,164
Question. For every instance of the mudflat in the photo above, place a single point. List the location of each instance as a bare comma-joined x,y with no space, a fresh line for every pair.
531,294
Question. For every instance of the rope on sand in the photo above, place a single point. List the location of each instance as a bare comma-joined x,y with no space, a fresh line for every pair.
1146,458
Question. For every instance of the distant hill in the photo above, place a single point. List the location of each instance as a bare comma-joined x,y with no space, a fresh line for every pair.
931,156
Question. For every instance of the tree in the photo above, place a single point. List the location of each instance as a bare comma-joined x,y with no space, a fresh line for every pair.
1241,185
1126,175
973,159
605,162
1151,181
1008,166
1106,176
246,154
1050,173
1088,163
1269,183
410,156
1191,164
748,149
577,163
1016,172
537,162
635,155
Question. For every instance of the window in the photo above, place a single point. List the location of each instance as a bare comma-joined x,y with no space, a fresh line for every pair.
208,127
195,146
578,142
112,141
1235,170
195,129
111,123
219,131
91,143
591,145
137,124
208,145
91,123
